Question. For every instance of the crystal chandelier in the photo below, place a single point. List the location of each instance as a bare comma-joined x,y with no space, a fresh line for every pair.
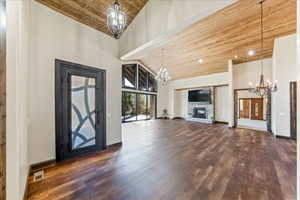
163,74
116,20
262,88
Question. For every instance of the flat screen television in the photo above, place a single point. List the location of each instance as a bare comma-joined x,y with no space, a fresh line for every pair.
201,96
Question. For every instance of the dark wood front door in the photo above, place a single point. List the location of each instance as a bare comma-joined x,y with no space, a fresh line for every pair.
293,109
80,110
257,109
244,108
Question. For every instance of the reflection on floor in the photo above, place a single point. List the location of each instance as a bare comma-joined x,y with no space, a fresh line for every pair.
175,159
255,124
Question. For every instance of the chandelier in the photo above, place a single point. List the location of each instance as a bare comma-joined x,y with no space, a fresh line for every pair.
116,20
262,88
163,74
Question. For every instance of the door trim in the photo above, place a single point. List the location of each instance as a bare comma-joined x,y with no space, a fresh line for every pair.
293,109
59,107
3,101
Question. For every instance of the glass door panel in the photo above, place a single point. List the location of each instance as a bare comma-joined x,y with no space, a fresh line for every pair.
141,106
151,107
129,106
83,112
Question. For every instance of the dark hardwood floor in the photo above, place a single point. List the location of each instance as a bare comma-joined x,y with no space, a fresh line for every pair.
175,159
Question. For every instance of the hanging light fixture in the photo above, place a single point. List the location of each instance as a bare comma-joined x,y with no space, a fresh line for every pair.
163,74
262,88
116,20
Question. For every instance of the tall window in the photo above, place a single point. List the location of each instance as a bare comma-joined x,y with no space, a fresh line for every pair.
129,76
137,78
128,106
152,83
143,79
138,106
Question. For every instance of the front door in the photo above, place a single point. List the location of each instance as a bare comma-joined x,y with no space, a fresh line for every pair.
80,110
257,109
244,111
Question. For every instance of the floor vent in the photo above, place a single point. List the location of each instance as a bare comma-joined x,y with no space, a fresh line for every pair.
38,176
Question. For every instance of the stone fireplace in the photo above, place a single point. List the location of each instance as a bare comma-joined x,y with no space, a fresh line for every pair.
199,112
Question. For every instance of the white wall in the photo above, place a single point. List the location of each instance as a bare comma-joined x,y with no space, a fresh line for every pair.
221,107
284,70
162,99
250,72
178,98
56,36
160,18
17,98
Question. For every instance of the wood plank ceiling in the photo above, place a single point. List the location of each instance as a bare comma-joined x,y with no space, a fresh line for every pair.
93,12
219,37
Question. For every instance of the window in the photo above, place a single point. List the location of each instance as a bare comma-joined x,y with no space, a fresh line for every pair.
142,106
152,83
151,107
137,78
129,76
143,79
128,106
138,106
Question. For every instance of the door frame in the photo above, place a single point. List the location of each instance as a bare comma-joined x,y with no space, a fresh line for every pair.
293,107
60,106
3,100
269,109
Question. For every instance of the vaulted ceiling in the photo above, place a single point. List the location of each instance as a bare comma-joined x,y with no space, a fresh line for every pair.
93,12
220,37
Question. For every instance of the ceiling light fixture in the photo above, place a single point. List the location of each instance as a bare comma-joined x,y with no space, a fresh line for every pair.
200,61
262,89
235,56
163,75
251,52
116,20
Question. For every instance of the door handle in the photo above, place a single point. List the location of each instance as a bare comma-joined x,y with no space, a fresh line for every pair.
98,116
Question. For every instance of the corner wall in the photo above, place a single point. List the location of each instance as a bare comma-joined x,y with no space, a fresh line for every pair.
17,98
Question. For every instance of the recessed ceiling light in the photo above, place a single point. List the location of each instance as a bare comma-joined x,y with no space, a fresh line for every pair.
251,52
235,56
200,60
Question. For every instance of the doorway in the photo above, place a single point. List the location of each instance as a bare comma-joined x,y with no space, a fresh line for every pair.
252,111
80,110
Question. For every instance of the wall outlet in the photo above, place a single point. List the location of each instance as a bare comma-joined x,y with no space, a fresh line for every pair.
38,176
